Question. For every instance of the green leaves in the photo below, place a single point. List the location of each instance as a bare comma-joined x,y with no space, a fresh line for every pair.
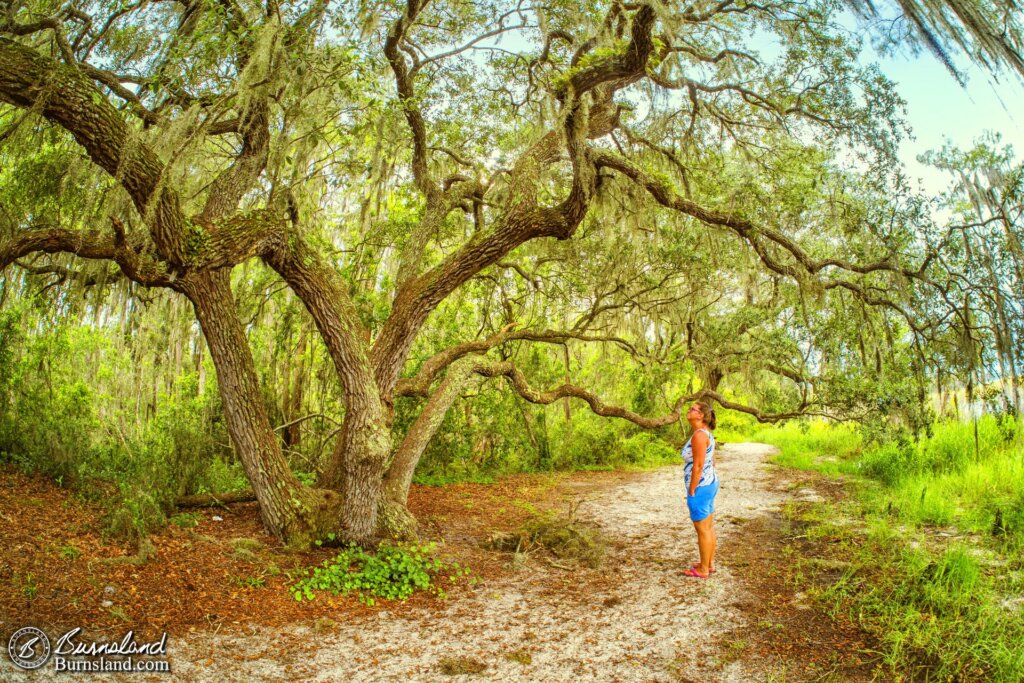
394,573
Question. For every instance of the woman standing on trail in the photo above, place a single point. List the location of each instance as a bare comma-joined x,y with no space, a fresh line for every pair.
701,484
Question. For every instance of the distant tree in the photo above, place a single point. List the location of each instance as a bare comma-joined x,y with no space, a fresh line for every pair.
984,255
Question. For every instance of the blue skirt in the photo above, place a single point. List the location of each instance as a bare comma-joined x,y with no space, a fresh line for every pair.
702,503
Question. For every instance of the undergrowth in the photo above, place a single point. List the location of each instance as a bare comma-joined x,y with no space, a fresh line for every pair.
394,572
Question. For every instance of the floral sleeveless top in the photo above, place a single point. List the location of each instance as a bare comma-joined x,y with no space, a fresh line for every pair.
707,475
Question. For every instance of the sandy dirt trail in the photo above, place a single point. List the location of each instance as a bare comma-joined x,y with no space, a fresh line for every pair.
651,624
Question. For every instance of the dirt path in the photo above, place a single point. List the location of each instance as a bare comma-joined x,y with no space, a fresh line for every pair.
638,620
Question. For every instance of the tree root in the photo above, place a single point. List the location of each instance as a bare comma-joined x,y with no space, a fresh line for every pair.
203,500
395,522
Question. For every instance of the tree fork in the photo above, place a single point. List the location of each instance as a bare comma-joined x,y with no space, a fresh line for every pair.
357,464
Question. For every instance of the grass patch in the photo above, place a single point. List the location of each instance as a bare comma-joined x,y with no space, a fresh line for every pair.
938,615
251,582
932,565
458,666
520,656
70,552
816,446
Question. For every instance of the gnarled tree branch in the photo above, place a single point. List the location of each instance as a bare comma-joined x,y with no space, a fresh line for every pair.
420,384
65,96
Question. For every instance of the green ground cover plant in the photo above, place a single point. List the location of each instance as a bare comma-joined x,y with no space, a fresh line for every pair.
393,572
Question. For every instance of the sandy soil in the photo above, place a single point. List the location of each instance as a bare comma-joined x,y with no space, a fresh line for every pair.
637,619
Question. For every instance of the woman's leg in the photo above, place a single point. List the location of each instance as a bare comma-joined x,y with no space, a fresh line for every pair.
705,544
714,541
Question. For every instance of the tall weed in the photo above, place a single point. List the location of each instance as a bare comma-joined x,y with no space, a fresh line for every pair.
816,445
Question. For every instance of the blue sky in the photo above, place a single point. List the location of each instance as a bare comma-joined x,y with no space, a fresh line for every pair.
940,110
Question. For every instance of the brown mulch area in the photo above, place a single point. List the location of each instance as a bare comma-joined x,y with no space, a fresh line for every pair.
57,570
786,630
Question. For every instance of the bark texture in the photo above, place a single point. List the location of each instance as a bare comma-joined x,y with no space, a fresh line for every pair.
289,510
356,466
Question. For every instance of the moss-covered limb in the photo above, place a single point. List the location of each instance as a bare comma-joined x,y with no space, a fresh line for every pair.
520,384
256,57
617,65
407,96
89,244
420,384
407,456
291,511
394,521
434,215
523,219
66,97
327,299
666,195
235,239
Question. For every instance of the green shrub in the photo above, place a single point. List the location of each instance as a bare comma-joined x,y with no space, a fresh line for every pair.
646,448
53,422
134,512
889,463
582,442
186,520
222,476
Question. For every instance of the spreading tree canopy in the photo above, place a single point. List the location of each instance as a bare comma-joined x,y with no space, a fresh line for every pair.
711,185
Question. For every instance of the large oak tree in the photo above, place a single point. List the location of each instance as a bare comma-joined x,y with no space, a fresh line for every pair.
220,132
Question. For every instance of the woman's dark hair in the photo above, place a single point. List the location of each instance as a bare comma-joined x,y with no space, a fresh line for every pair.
709,414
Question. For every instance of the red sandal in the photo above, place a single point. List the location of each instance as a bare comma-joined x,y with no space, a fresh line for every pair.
694,567
694,573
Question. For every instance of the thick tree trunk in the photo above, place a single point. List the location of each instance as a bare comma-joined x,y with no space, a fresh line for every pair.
399,475
291,511
356,470
356,467
395,517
